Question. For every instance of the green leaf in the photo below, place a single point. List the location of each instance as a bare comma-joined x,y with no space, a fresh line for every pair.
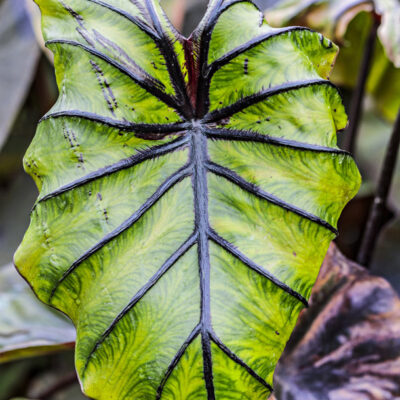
189,190
349,24
27,327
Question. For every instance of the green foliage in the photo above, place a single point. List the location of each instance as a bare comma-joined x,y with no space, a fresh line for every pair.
349,23
189,190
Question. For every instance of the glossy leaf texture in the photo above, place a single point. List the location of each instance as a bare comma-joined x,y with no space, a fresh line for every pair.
189,190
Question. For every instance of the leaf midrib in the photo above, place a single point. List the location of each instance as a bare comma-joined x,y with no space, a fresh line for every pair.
199,157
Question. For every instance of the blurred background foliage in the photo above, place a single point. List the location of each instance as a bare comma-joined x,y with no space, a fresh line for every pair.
27,91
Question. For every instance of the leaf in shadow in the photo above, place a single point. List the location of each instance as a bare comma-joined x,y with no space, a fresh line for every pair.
346,346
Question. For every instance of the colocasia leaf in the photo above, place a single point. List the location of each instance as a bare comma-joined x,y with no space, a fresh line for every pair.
189,190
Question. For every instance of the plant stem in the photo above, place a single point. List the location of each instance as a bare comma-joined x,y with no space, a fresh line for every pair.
374,223
358,96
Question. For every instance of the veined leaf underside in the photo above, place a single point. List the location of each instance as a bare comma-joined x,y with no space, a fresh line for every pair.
176,111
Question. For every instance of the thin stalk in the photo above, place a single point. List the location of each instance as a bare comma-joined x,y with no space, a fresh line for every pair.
358,96
375,218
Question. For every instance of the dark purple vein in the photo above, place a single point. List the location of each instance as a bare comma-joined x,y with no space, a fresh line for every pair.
166,47
260,96
161,190
118,124
199,182
144,84
255,267
255,190
129,162
239,361
119,53
103,41
250,136
142,292
141,8
196,331
202,100
136,21
225,59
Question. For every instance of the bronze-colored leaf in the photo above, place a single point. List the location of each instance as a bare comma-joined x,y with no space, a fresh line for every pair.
346,346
